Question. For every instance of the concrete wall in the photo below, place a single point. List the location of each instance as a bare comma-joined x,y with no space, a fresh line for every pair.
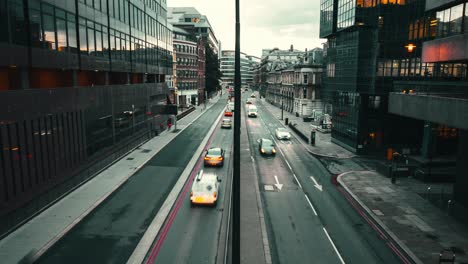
443,110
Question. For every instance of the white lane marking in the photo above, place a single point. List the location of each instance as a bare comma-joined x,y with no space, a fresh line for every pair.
333,244
316,185
297,180
253,160
311,206
277,184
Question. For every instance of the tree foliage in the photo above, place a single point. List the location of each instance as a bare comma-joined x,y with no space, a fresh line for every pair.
212,71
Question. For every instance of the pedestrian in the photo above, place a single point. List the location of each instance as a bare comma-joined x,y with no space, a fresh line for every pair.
169,124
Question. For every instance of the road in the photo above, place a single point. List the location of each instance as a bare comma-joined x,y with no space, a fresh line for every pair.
308,219
194,236
111,232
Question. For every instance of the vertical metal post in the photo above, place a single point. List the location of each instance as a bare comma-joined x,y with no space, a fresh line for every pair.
237,118
282,105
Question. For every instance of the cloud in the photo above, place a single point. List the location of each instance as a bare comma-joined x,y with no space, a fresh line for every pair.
264,23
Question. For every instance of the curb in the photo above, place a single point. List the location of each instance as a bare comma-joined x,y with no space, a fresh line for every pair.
380,224
308,148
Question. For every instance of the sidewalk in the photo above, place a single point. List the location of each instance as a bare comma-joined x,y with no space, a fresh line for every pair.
420,228
323,145
50,225
399,210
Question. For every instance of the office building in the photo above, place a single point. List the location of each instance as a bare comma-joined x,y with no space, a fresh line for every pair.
247,64
81,83
190,73
439,98
366,51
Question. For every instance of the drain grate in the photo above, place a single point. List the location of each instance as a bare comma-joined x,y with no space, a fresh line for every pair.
146,151
130,158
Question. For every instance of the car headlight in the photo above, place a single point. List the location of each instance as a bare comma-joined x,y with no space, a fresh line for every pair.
273,150
262,150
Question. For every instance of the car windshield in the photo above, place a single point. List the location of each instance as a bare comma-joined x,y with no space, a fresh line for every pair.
214,152
267,143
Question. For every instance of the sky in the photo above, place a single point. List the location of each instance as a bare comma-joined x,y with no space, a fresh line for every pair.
265,24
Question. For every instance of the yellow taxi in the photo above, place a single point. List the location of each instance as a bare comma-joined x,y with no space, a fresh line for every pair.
205,189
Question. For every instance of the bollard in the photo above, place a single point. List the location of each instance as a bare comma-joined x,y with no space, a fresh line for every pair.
286,121
312,138
449,205
428,192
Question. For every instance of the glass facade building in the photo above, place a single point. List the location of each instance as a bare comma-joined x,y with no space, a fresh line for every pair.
81,83
365,53
248,64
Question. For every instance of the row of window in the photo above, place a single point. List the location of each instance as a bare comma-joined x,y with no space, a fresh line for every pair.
118,9
422,28
187,85
187,73
452,21
414,67
55,29
187,62
185,49
346,13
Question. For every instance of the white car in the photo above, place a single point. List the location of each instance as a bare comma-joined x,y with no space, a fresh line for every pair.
205,189
282,133
231,106
252,112
226,123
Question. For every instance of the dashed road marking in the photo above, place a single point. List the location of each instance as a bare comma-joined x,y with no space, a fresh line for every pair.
333,244
310,203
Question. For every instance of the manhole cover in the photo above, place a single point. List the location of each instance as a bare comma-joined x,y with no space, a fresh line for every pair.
130,158
146,151
269,188
378,199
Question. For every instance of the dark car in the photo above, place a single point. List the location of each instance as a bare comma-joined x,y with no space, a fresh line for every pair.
266,147
214,157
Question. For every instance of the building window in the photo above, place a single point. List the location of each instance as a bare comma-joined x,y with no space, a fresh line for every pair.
450,21
306,81
49,31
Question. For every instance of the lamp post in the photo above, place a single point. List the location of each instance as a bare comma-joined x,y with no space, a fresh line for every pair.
236,167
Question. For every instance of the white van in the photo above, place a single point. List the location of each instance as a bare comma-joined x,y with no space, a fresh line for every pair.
252,112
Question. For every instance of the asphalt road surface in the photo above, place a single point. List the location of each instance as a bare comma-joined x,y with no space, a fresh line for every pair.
194,236
111,232
308,219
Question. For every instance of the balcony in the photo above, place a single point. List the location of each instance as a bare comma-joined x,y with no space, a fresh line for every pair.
442,103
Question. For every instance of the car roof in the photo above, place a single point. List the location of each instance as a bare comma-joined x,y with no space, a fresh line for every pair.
282,129
206,177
